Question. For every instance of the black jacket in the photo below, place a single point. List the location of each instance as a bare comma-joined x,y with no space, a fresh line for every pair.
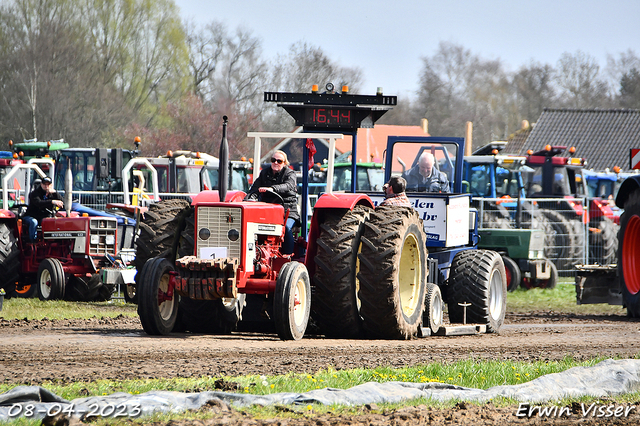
40,202
438,181
283,183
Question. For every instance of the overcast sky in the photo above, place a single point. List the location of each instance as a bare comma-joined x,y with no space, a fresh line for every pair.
387,39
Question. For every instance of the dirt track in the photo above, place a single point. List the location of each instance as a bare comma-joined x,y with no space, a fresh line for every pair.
84,350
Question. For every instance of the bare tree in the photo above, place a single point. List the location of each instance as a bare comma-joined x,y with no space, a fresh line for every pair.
206,47
578,77
534,91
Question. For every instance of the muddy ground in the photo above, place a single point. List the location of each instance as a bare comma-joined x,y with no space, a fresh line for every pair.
84,350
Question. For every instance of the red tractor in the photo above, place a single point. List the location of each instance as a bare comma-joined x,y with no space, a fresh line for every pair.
225,250
65,260
560,185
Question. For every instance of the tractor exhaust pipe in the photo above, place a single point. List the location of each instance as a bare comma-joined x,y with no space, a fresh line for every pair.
68,187
223,169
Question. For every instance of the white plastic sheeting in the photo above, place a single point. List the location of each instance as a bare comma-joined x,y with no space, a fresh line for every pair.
609,377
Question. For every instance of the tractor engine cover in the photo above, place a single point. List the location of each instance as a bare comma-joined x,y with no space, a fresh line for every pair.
227,240
94,236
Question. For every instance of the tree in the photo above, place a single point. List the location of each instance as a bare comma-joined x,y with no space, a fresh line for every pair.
533,87
297,71
578,77
457,86
630,89
52,89
141,48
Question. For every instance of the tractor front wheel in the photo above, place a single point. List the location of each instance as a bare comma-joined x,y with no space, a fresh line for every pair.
51,280
478,278
433,312
157,301
292,301
514,276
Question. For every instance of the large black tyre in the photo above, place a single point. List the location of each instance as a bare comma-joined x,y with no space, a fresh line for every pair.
157,306
496,217
393,273
478,277
292,301
514,275
629,254
603,241
51,280
433,316
562,248
9,261
335,300
578,242
159,229
219,316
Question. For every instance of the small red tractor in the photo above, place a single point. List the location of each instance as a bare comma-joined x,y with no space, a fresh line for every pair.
65,260
225,250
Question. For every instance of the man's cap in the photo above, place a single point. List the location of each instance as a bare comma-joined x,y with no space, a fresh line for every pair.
46,179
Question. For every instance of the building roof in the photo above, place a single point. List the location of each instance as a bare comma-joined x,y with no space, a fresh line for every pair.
602,137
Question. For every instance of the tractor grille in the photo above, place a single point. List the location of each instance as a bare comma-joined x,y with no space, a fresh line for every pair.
102,236
219,221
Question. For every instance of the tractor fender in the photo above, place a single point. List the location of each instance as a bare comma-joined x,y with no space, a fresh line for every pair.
6,214
327,202
629,185
342,200
213,196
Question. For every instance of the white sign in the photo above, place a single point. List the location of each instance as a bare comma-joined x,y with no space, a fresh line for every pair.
213,252
445,224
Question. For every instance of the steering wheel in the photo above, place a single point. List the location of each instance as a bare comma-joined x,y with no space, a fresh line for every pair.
260,196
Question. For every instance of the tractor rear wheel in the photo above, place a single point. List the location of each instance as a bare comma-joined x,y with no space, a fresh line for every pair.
51,280
603,242
335,298
629,254
10,262
561,250
433,316
292,301
393,273
514,275
157,301
478,277
158,230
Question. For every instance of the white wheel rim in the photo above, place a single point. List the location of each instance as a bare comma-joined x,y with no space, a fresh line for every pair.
495,295
165,308
299,302
45,283
409,275
436,310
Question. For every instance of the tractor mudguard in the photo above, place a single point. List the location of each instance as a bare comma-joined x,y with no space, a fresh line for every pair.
629,185
212,196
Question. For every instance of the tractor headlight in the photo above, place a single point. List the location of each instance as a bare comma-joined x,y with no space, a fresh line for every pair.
233,235
95,239
110,240
204,233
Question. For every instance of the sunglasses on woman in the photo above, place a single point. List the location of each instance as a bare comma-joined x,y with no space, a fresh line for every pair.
277,160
